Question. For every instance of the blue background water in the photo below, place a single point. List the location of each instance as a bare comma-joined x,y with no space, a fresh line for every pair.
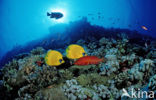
22,21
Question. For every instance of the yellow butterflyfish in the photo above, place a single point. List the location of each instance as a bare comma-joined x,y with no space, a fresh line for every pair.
75,51
54,58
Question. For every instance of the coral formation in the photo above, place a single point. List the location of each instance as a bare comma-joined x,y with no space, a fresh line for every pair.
152,83
37,51
126,66
75,91
53,93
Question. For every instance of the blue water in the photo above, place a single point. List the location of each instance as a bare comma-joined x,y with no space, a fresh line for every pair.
22,21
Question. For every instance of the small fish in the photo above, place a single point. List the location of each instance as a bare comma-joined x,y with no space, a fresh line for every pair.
39,63
99,13
99,17
87,60
75,51
124,69
146,45
144,28
54,58
50,86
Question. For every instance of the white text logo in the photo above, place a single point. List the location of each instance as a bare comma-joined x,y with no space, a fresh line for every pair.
137,93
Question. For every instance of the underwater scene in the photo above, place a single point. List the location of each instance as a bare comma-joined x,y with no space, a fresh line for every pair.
78,50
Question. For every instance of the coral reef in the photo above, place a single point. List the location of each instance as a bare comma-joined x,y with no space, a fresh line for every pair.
53,93
107,69
75,91
126,66
152,83
37,51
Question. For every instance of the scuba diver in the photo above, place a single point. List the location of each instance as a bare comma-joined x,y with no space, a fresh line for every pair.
56,15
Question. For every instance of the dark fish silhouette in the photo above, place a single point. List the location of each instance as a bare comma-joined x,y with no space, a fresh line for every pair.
99,17
98,13
56,15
